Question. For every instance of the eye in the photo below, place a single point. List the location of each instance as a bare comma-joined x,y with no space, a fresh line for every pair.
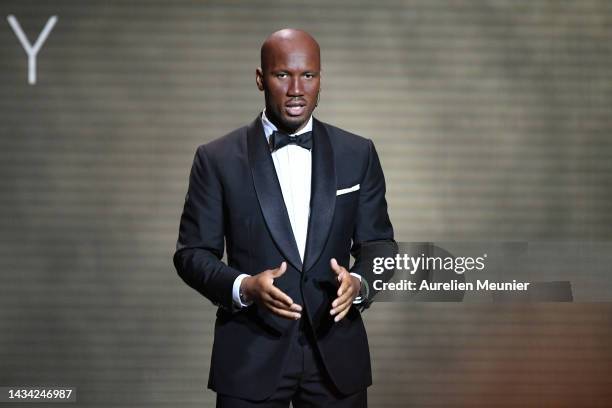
281,75
308,75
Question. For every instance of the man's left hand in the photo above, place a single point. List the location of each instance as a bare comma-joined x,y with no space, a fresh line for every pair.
347,292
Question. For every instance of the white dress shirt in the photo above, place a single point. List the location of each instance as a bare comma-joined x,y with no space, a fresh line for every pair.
293,166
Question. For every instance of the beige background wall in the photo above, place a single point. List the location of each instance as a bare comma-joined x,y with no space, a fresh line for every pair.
492,121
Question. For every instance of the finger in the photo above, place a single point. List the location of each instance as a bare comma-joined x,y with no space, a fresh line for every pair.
335,266
279,295
341,306
346,297
296,308
348,294
278,272
281,305
268,300
345,284
341,315
284,313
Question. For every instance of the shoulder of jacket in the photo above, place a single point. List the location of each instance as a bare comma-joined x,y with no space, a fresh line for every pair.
345,136
221,144
348,142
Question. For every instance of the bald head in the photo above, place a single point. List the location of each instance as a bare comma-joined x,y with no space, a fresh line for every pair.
288,39
290,77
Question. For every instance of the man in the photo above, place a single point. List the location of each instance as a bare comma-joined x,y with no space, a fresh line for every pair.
292,197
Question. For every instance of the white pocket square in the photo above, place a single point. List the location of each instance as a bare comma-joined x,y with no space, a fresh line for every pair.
347,190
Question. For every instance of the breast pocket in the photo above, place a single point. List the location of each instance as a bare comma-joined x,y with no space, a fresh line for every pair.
347,195
347,190
347,201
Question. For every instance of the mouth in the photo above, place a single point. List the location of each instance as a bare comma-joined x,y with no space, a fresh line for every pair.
295,108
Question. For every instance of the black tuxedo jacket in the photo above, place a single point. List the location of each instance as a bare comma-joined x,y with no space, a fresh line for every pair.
234,196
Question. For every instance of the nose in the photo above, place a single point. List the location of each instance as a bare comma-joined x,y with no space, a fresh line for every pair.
295,88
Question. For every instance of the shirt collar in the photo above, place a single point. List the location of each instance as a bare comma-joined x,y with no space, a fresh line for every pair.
269,126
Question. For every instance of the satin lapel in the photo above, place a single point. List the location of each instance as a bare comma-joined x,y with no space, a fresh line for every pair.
323,194
269,194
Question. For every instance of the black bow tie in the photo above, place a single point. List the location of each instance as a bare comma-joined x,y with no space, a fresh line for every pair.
278,140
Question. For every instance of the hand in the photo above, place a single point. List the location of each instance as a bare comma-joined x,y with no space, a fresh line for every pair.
347,292
260,289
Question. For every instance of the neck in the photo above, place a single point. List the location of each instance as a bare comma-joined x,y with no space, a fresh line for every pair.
284,129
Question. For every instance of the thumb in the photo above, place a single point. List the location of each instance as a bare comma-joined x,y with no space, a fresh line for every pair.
335,267
280,270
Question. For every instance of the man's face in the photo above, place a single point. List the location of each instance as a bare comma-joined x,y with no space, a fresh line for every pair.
290,79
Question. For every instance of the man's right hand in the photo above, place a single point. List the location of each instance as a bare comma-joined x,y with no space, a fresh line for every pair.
260,289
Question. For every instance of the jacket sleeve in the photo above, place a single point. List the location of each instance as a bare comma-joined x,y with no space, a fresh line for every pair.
200,243
373,234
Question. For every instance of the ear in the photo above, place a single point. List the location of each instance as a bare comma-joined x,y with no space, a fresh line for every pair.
259,79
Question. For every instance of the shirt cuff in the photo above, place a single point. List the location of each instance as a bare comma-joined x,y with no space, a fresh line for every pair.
359,299
236,292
